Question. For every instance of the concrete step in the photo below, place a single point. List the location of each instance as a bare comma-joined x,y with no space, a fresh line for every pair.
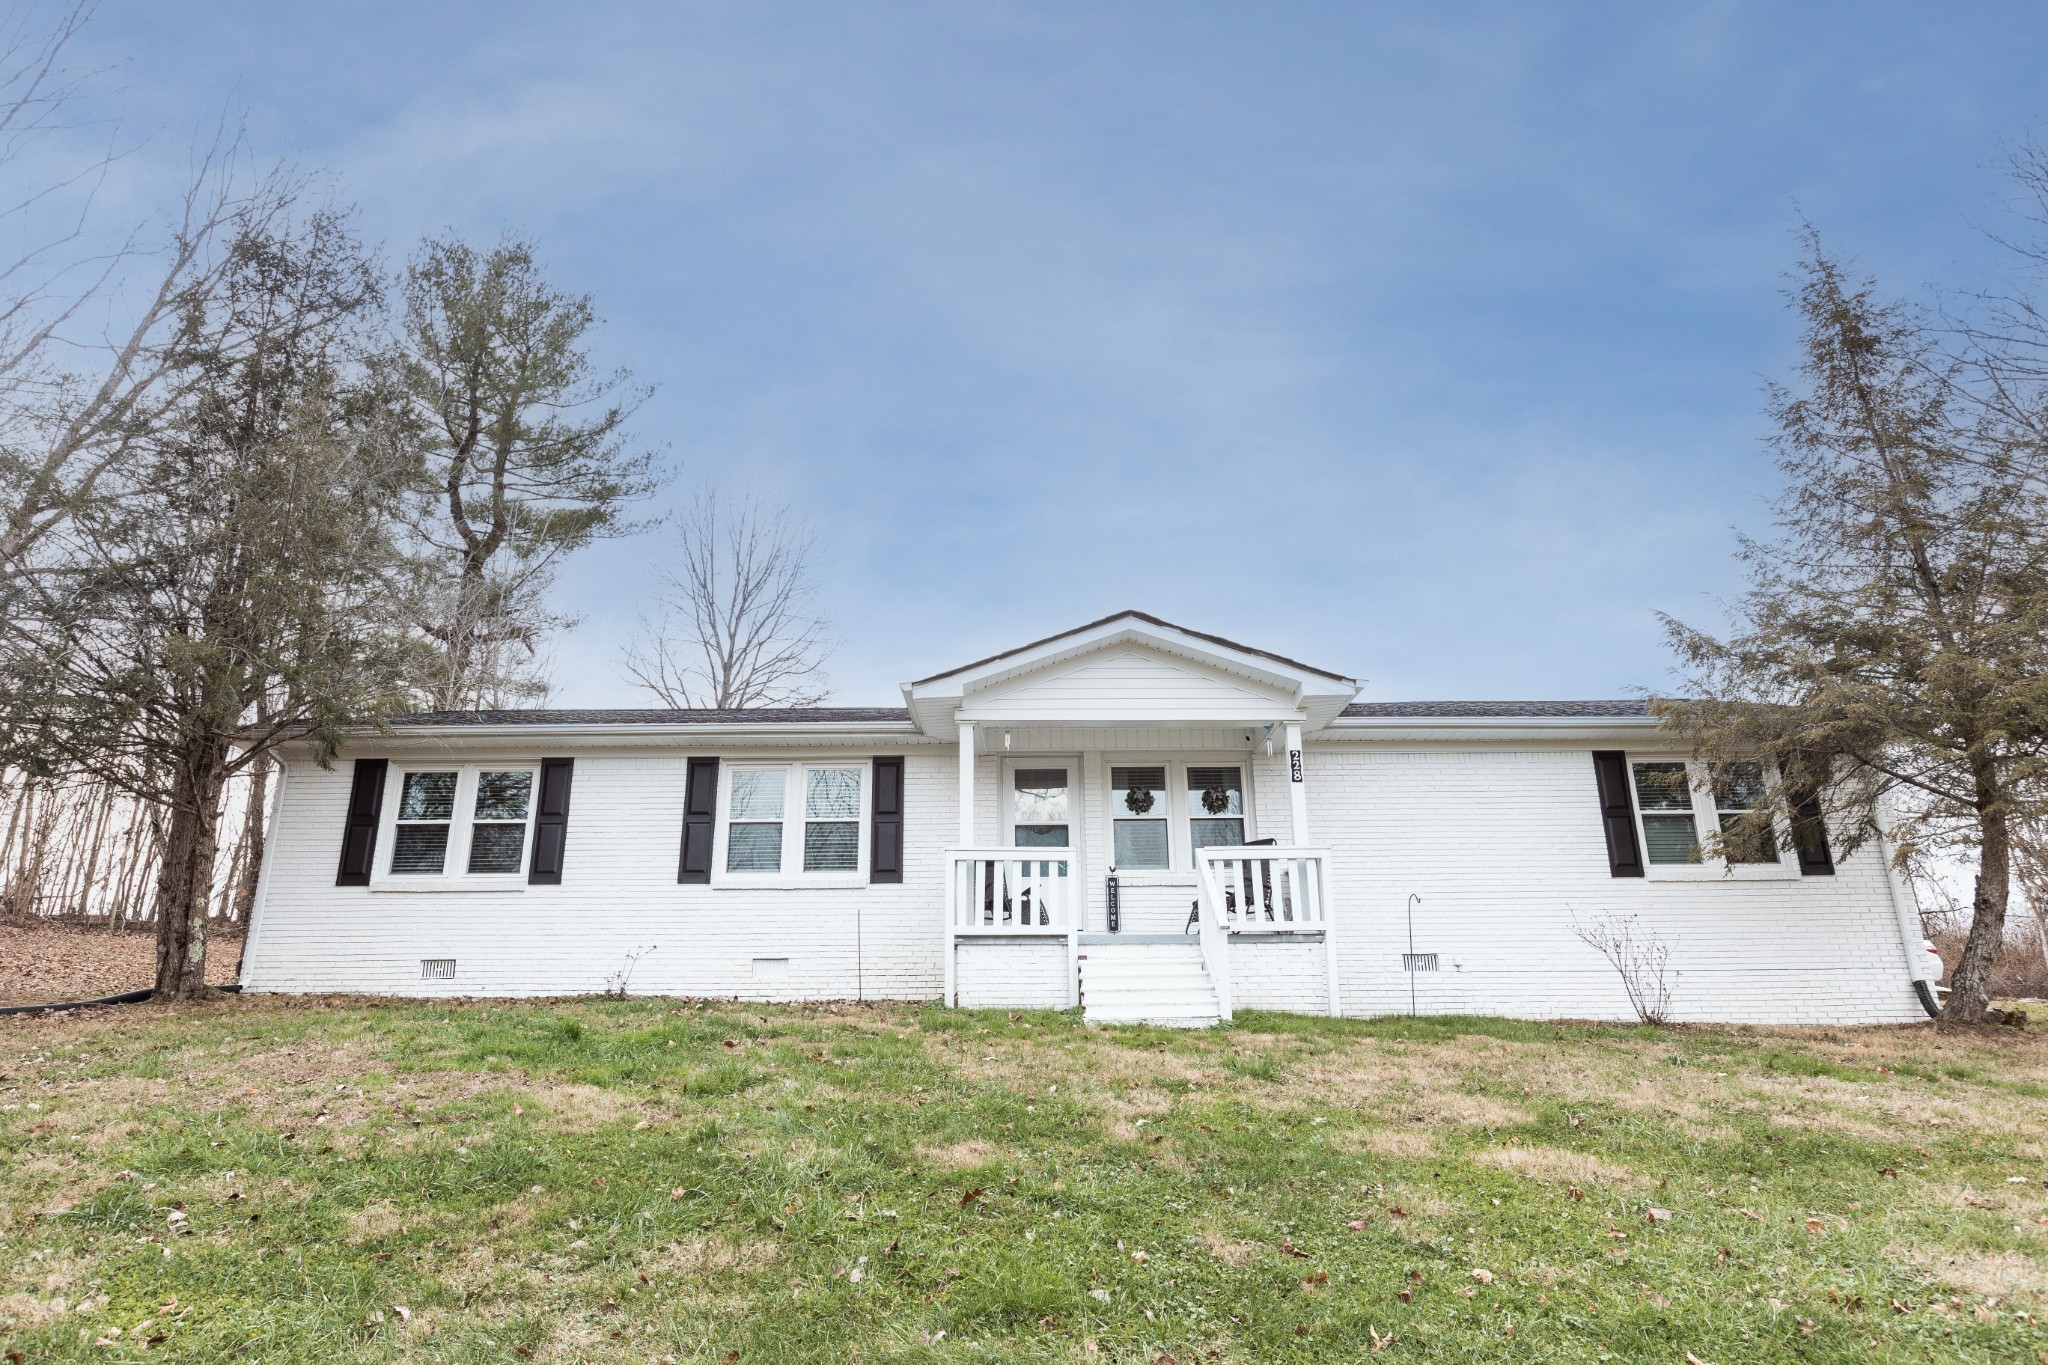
1149,985
1163,984
1158,1021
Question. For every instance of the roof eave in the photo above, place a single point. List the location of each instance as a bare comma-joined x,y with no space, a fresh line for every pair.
894,731
1217,641
1441,729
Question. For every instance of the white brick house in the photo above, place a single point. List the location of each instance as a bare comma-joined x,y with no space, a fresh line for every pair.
1067,822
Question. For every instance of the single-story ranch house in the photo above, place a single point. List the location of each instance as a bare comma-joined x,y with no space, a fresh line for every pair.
1136,818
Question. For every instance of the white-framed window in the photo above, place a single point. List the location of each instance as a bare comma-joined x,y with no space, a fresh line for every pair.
1216,809
1161,812
1679,803
1140,831
792,820
466,821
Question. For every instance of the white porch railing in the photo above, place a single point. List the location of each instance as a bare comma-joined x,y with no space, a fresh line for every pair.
1263,889
1011,892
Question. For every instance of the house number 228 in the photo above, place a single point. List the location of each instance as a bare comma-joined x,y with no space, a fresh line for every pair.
1294,765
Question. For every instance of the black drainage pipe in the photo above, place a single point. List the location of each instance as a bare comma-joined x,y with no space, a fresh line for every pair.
124,998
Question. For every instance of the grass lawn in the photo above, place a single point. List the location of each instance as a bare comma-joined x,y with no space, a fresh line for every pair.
652,1180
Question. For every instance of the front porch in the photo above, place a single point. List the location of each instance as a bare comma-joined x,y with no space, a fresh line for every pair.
1256,932
1133,818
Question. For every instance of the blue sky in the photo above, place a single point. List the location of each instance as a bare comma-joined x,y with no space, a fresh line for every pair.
1421,341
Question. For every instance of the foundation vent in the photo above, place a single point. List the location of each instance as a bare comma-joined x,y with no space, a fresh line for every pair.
437,969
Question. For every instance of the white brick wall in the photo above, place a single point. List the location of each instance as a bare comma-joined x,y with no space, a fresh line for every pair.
1024,974
1502,845
1280,974
618,893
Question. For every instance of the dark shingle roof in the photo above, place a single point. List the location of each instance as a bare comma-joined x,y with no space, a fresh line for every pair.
1432,710
787,715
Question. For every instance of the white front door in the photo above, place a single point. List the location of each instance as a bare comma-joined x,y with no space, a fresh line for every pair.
1042,802
1042,810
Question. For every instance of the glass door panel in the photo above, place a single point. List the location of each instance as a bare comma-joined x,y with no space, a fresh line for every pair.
1041,806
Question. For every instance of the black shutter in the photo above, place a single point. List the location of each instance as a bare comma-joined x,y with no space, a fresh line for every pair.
359,832
885,852
551,822
700,814
1617,813
1810,836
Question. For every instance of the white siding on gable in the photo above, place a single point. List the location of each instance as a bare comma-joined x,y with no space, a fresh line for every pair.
1128,684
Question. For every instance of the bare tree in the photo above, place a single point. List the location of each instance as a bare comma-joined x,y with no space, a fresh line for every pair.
733,626
74,393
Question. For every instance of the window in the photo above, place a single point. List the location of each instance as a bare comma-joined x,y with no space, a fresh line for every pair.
832,819
1160,814
1041,808
1215,807
1674,796
753,838
426,807
471,820
1137,806
1739,789
497,838
1664,795
827,801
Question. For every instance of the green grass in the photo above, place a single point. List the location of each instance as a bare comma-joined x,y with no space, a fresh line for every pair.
339,1181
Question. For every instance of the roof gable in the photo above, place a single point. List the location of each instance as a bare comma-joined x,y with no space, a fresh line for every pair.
1143,669
1128,683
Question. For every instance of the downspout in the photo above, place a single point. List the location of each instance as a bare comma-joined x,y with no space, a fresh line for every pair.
1910,932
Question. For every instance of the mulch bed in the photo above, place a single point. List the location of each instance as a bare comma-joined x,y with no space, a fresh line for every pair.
41,963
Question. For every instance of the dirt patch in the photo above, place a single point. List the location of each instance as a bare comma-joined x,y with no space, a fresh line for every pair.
1229,1250
374,1222
20,1312
579,1108
44,963
961,1155
1556,1165
710,1254
1092,1063
1391,1142
1997,1275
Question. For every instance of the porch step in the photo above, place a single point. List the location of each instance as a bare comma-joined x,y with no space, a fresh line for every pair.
1147,983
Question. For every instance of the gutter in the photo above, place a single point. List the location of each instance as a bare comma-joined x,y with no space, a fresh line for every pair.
714,729
1594,730
443,738
1495,723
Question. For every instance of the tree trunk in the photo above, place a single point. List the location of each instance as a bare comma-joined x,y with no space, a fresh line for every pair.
185,877
1969,987
255,828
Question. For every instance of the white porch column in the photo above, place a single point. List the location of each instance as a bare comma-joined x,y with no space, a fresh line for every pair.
966,784
1297,789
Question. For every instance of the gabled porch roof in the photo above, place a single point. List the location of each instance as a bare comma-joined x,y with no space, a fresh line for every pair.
1130,669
